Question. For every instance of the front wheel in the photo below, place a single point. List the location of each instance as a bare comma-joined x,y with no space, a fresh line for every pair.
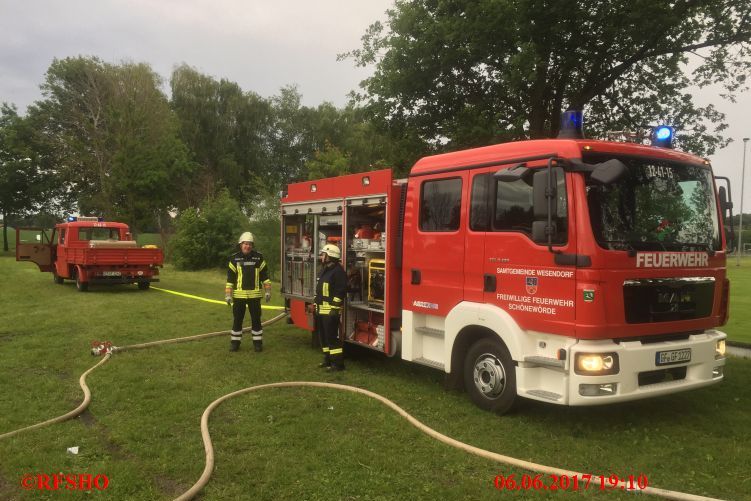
144,286
490,376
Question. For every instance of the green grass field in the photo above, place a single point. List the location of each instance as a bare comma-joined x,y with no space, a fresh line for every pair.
142,428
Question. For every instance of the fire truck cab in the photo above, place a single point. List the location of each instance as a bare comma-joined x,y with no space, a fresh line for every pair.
569,271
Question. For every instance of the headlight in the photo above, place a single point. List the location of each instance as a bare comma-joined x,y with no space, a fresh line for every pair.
719,349
596,364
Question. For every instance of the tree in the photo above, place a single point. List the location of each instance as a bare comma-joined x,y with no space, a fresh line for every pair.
115,138
24,185
228,132
205,237
460,73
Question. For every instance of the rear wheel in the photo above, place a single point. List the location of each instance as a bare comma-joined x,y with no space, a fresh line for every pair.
490,376
81,286
144,286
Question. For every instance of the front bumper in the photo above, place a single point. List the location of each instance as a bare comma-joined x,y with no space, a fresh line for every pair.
638,377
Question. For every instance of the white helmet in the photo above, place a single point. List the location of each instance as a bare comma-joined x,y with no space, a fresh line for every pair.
245,237
332,251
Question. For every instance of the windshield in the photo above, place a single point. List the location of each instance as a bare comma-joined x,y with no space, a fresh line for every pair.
657,206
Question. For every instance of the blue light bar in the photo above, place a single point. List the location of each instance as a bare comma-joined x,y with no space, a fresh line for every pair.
662,136
572,125
72,219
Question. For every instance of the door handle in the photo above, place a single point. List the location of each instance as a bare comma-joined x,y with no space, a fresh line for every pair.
416,277
489,283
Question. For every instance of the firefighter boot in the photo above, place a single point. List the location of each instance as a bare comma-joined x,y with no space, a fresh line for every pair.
337,360
257,340
235,338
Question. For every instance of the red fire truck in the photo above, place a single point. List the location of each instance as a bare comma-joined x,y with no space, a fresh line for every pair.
569,271
90,251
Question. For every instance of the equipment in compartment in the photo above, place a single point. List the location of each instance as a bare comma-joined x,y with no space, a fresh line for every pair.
376,280
368,329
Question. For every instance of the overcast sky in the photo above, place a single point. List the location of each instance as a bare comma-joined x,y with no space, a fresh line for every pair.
260,44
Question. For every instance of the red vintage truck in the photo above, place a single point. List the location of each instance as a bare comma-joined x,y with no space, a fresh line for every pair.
90,251
570,271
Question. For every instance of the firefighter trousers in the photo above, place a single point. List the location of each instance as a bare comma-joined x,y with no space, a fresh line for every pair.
238,313
327,327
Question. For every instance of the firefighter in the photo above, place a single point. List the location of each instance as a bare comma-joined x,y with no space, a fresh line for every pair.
246,272
331,288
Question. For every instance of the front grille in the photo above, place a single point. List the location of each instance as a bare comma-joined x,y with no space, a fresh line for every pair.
667,299
662,376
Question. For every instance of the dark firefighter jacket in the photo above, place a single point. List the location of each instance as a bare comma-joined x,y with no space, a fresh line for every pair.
246,274
330,289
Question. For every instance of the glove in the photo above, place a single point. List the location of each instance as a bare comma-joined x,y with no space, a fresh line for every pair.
268,296
228,300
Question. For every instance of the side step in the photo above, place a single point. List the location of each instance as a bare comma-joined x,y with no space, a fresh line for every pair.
547,395
429,363
430,331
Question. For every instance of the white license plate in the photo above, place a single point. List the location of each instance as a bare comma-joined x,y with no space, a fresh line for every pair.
111,273
673,357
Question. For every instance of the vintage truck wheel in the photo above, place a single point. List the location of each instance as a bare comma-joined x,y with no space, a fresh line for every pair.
57,278
81,286
490,377
144,286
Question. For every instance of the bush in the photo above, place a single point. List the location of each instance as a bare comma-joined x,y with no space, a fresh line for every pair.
206,237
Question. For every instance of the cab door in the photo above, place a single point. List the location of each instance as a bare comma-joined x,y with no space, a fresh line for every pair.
434,248
525,279
33,244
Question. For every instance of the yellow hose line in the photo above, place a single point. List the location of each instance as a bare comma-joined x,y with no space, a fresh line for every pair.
75,412
535,467
87,394
191,296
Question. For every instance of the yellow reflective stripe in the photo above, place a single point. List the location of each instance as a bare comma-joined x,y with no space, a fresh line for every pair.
232,267
325,350
337,300
267,281
247,294
229,285
325,291
239,278
258,278
336,351
263,265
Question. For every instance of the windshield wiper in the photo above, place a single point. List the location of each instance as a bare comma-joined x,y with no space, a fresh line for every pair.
705,247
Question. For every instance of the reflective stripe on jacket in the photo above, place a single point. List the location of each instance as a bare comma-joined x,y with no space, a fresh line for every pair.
331,288
246,274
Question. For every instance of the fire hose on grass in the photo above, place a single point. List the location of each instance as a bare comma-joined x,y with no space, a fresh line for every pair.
209,448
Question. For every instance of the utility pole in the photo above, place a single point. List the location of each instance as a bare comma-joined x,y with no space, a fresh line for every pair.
740,221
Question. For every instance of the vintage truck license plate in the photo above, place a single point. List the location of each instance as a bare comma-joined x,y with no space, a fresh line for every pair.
673,357
111,273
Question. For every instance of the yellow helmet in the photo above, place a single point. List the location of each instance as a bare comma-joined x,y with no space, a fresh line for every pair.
246,237
332,251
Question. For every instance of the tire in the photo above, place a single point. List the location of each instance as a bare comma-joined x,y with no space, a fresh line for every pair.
490,376
144,286
57,278
81,286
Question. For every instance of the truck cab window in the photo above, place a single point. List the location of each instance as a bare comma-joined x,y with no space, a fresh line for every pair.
440,205
514,207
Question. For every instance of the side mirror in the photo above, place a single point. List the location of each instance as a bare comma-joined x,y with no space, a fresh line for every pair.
725,206
544,189
609,172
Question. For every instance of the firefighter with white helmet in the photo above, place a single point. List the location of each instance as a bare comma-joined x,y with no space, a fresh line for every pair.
246,274
331,289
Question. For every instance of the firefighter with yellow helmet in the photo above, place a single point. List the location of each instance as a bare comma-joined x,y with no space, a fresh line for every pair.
247,273
331,288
